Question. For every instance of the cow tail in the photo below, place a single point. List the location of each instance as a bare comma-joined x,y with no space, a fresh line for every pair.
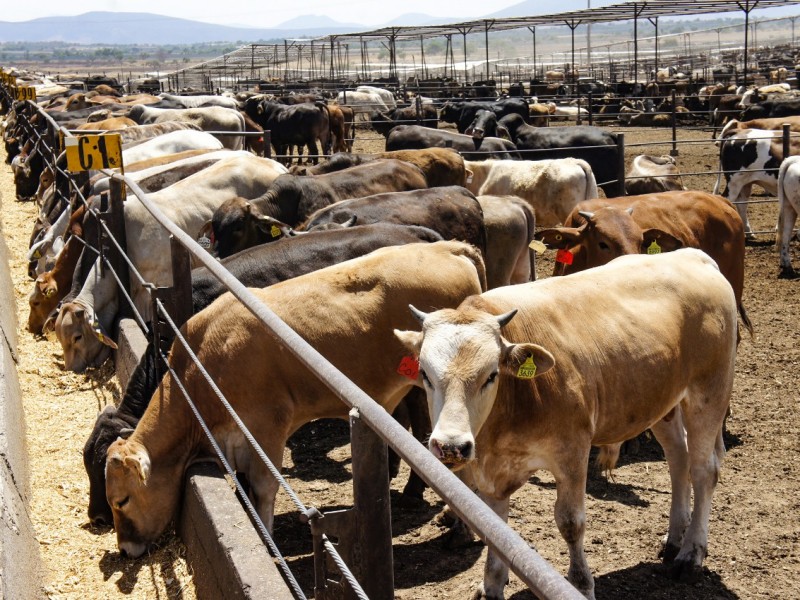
591,182
473,254
326,144
719,172
781,202
746,320
530,219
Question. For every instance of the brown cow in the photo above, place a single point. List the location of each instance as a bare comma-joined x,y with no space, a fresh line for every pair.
109,124
590,359
362,299
600,230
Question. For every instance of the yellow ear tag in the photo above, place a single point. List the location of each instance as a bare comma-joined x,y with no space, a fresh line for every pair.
654,248
37,255
538,246
275,231
527,370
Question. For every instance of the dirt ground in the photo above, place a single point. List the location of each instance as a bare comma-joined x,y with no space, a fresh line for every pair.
754,540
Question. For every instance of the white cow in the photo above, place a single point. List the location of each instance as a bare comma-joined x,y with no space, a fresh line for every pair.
170,143
386,95
189,204
593,358
362,103
788,207
208,118
201,101
650,174
551,187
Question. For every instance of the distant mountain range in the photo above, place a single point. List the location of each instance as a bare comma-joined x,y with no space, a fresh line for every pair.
148,28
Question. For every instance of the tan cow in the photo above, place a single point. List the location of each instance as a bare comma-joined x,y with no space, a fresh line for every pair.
346,311
590,359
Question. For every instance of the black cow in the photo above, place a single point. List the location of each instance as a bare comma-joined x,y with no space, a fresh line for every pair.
414,137
292,125
255,267
451,211
771,108
384,122
291,198
485,125
564,142
112,423
463,113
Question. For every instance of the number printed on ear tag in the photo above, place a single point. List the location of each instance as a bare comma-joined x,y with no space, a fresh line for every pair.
654,248
564,256
527,370
275,231
409,367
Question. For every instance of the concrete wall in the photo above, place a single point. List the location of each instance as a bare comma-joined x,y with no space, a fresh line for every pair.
20,563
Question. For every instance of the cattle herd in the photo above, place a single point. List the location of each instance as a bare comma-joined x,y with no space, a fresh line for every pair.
423,254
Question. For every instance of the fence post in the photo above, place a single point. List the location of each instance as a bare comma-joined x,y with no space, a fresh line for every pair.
674,151
578,114
589,108
115,220
787,148
180,303
419,108
620,164
267,143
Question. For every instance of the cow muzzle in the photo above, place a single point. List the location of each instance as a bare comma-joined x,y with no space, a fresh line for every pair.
452,454
132,549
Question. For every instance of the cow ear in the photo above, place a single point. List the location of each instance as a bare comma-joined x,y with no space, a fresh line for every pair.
273,228
50,324
139,462
561,238
503,132
125,433
656,241
525,361
50,289
100,333
411,340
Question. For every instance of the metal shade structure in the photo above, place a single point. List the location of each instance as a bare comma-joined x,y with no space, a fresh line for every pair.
327,50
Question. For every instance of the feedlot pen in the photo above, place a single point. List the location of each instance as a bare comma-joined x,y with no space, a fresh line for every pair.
754,540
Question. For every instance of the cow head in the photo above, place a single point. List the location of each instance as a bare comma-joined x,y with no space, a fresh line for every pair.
606,234
83,338
143,500
238,225
42,301
107,428
485,125
462,358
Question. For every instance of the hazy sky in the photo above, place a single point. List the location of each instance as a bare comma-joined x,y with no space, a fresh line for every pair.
265,13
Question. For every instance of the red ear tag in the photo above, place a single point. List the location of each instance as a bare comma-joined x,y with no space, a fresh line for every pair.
409,367
564,256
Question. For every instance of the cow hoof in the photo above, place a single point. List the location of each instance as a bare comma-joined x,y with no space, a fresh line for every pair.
480,594
685,571
447,518
668,553
459,536
412,502
787,274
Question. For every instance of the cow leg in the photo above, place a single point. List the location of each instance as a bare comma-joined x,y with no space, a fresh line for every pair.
495,572
703,423
570,515
263,486
672,437
420,422
786,221
739,201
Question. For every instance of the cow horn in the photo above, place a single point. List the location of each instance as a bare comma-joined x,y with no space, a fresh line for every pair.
629,210
418,314
351,221
586,214
504,319
125,433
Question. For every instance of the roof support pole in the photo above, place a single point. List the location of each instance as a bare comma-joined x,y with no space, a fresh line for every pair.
654,22
635,45
333,73
573,72
746,8
533,31
486,26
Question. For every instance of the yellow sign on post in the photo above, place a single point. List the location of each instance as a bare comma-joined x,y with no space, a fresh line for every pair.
11,80
26,92
93,152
